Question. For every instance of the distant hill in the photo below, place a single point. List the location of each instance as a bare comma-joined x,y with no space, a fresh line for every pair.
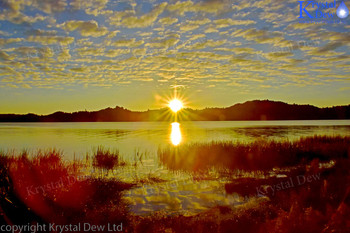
250,110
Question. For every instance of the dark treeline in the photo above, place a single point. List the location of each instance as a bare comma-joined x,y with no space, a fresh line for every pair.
251,110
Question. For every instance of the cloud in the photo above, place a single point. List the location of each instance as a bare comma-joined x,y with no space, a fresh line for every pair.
256,34
89,51
4,56
208,44
181,7
263,37
168,20
189,27
88,4
139,52
12,85
41,32
86,28
144,20
79,69
196,36
35,52
102,52
131,43
277,56
64,55
212,7
50,7
202,55
303,26
7,41
116,52
96,12
330,47
199,21
334,40
46,6
107,43
220,23
46,40
17,17
164,43
211,29
25,85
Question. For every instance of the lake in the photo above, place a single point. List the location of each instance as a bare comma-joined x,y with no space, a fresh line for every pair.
81,138
181,192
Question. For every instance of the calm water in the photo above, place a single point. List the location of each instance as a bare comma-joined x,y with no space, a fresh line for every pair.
181,192
80,138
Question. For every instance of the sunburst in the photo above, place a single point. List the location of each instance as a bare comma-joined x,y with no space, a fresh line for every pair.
175,105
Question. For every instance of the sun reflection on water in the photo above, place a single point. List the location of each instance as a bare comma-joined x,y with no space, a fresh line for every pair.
175,135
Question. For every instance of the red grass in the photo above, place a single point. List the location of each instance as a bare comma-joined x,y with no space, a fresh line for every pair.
319,206
55,192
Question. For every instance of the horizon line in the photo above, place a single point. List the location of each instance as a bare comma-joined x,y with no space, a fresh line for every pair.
156,109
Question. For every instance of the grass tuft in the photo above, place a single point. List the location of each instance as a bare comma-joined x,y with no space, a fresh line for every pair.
105,159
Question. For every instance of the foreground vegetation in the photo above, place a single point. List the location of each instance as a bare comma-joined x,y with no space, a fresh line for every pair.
45,189
57,192
259,155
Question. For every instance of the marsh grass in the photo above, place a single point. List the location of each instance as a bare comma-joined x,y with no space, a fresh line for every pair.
139,157
106,159
259,155
150,179
320,206
47,186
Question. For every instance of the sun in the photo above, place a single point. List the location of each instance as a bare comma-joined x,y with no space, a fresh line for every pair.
175,105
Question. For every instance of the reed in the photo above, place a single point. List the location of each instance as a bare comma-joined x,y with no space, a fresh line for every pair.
259,155
105,159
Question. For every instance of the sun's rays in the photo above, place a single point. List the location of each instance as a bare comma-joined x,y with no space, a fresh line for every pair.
176,101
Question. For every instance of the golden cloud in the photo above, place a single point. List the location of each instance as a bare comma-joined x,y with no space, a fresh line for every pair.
86,28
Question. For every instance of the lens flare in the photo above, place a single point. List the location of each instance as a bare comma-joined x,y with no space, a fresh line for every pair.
175,135
342,11
175,105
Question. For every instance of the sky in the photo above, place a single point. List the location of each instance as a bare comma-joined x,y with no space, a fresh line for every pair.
73,55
